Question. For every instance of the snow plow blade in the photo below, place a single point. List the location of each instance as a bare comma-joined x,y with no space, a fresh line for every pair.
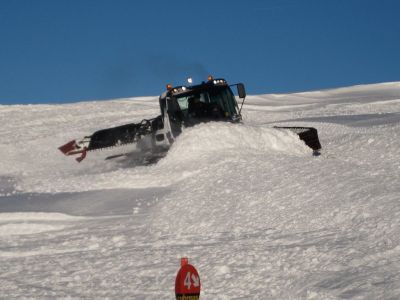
307,134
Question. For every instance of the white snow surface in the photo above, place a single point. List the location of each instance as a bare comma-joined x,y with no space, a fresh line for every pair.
255,212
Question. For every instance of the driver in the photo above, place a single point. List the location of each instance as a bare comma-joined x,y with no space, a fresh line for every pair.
196,108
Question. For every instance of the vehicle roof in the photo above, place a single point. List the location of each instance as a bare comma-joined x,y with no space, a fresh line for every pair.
205,85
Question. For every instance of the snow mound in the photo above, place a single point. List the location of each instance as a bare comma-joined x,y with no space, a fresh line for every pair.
221,139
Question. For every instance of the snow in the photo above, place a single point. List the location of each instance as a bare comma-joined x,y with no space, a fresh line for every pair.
255,212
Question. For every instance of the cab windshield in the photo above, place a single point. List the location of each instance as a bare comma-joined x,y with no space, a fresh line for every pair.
215,103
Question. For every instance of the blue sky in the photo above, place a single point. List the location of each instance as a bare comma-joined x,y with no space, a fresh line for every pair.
54,51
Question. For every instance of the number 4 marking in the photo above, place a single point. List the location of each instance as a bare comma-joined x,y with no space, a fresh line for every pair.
187,281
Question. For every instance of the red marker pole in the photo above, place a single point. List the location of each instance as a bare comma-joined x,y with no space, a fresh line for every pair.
187,282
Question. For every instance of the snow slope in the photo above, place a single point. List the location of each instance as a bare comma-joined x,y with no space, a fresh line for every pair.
254,211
